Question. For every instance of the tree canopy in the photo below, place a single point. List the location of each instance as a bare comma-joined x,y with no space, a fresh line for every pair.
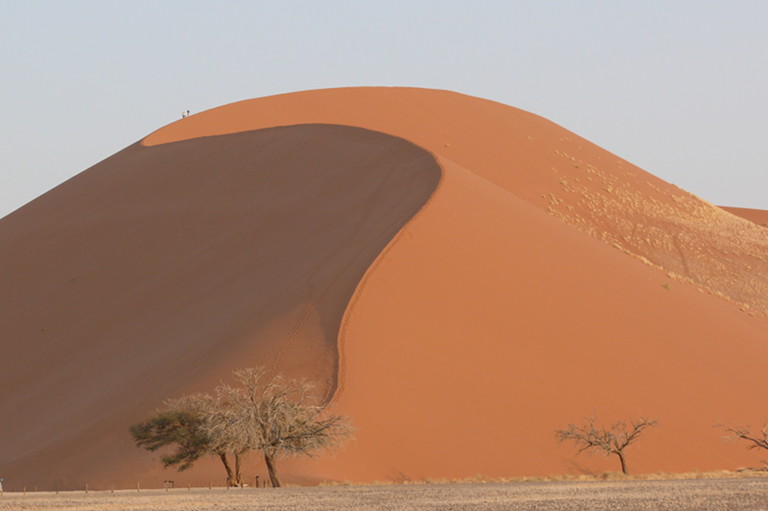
278,416
174,427
614,439
754,440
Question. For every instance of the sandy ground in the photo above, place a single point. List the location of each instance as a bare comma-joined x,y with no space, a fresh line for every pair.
712,495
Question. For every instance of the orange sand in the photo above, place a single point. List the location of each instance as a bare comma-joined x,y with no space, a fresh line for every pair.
545,279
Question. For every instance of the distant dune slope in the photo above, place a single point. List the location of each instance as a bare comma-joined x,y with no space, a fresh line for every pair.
161,268
758,216
545,279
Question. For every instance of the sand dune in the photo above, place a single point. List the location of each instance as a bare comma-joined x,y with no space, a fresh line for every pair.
758,216
545,279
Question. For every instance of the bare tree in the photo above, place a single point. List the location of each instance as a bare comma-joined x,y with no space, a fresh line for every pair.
612,440
755,440
277,416
204,406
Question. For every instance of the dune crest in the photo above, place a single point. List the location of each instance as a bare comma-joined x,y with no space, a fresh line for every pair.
542,163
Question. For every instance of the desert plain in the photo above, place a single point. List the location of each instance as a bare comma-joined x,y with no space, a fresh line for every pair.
738,494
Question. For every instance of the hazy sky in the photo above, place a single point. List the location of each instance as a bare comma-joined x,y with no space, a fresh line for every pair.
679,88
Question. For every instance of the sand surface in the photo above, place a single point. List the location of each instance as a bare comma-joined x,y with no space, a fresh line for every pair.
696,495
542,279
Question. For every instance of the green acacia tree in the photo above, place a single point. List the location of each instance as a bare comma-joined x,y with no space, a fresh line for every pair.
181,423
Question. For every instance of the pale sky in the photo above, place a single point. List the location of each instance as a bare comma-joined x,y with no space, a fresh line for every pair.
678,87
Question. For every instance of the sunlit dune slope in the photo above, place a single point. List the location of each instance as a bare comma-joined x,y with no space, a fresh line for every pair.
459,323
468,363
161,268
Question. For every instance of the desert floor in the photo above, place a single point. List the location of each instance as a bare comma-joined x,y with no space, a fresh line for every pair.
705,494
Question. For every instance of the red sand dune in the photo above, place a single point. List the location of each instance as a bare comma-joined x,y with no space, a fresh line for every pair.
758,216
544,280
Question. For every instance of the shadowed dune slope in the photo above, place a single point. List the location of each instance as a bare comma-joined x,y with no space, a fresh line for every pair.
547,279
161,268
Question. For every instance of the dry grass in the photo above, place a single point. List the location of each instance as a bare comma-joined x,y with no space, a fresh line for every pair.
738,494
604,476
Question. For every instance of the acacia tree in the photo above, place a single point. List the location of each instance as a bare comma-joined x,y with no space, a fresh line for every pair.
278,416
612,440
181,422
755,440
168,427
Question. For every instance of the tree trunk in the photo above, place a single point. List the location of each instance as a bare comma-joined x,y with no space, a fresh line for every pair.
238,478
623,463
269,459
230,477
